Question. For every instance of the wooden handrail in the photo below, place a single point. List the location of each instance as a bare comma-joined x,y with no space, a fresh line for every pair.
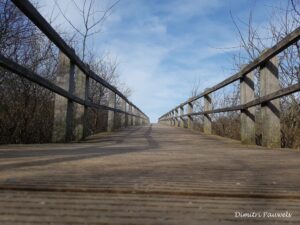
30,75
263,58
32,13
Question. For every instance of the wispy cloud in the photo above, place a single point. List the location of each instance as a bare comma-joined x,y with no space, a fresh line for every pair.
164,46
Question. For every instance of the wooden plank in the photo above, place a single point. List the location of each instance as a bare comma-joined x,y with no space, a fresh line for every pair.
147,175
21,208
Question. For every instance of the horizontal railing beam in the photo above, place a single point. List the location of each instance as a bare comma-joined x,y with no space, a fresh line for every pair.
264,57
32,76
277,94
32,13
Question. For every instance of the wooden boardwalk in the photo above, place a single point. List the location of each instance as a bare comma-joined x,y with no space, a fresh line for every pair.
150,174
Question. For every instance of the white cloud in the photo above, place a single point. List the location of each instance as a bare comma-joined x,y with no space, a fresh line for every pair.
178,9
162,49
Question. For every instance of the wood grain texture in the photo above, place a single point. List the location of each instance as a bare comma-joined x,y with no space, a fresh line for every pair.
147,175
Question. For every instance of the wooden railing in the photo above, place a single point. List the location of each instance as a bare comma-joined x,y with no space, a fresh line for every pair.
270,92
69,59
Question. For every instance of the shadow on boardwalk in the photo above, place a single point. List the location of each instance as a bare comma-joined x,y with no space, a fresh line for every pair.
80,153
147,175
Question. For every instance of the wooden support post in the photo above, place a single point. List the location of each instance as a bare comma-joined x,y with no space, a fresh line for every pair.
111,114
176,118
173,118
126,115
123,115
130,122
247,115
270,111
141,119
138,118
61,103
207,128
80,80
168,119
70,108
133,117
86,122
181,117
190,124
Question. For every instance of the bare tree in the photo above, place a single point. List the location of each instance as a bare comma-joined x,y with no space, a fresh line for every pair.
25,107
91,17
283,20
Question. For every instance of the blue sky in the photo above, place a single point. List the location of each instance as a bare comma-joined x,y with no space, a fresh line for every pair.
164,47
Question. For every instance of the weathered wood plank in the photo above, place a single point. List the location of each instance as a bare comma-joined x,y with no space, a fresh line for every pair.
148,175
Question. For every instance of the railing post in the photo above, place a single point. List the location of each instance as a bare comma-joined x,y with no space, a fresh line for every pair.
141,119
176,117
133,117
181,116
129,116
79,109
85,120
190,118
111,114
123,115
126,115
247,115
138,118
168,119
61,105
173,118
270,111
207,127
